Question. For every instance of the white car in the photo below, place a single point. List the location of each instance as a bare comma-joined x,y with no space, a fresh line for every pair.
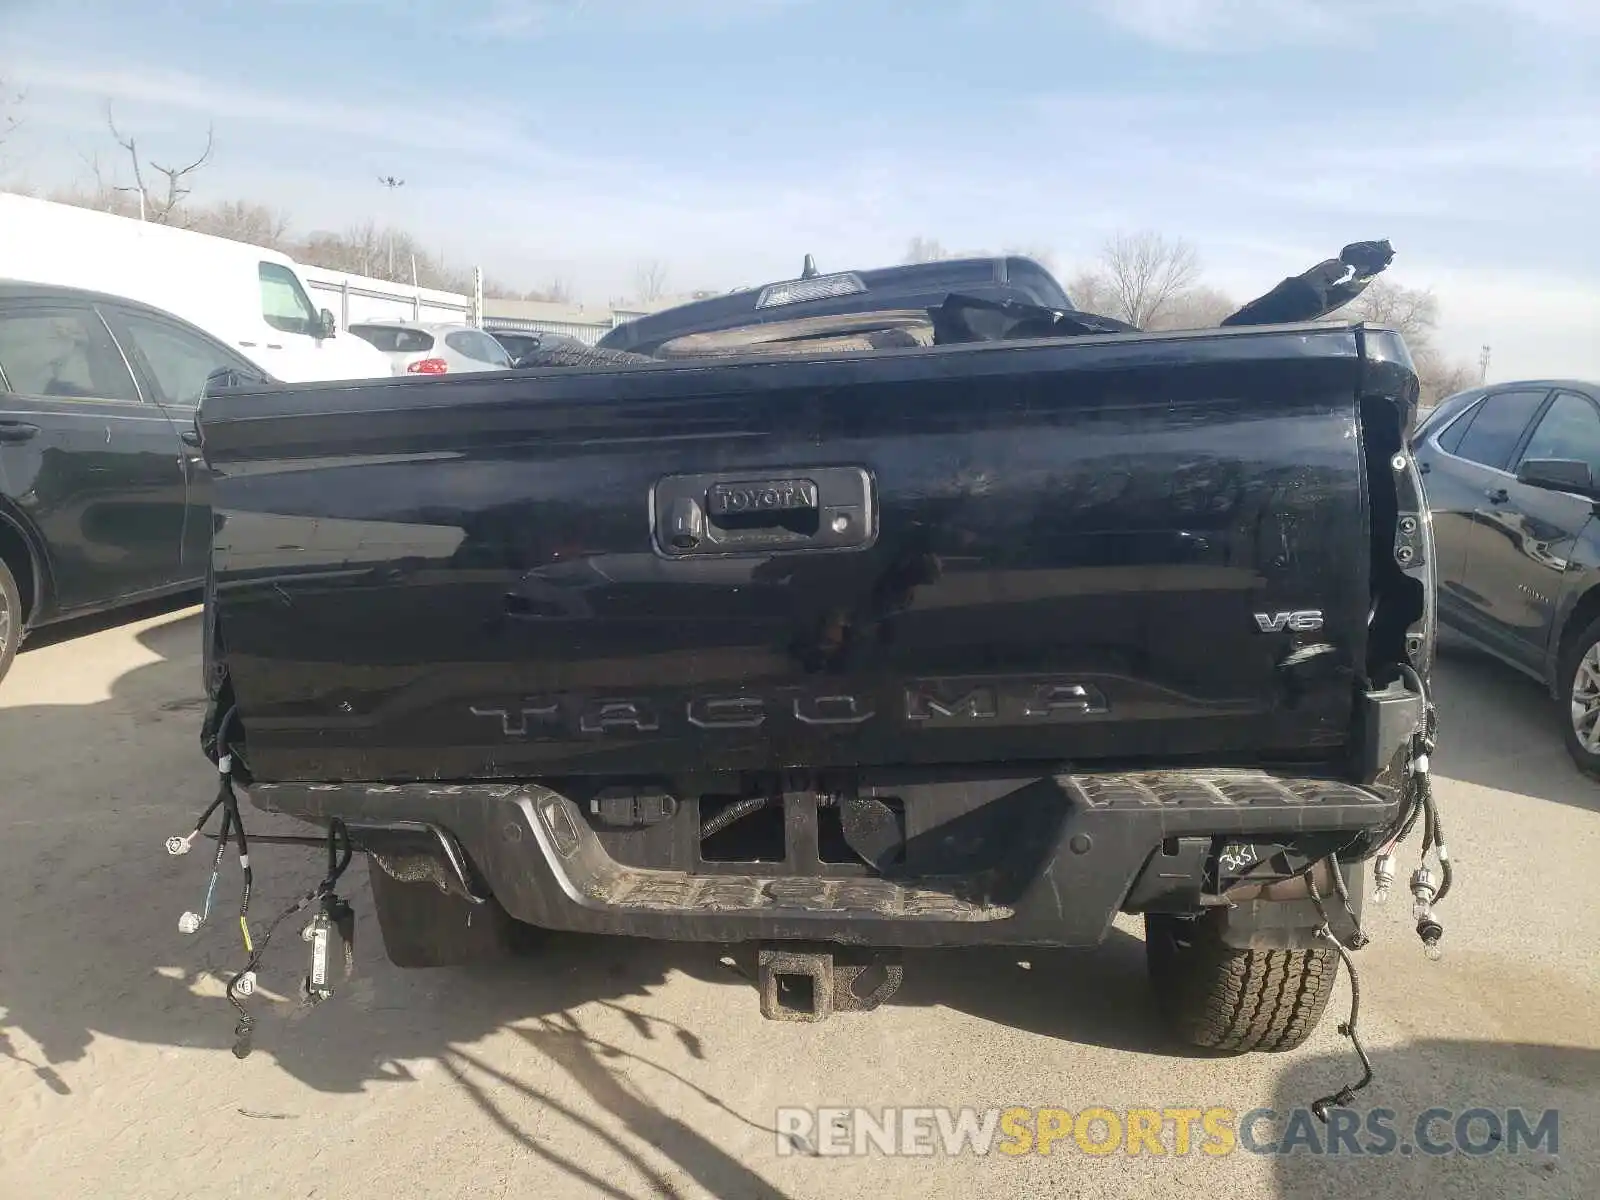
421,348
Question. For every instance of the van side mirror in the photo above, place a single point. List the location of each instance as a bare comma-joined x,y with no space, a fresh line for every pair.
326,325
1557,475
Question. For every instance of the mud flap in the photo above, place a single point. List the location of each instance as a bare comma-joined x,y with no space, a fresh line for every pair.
425,926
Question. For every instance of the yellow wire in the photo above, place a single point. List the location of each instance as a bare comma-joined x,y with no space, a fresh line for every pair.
244,927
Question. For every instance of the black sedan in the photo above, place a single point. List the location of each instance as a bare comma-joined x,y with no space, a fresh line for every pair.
1512,472
103,492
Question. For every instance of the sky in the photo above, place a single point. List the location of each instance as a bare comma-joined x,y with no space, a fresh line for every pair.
729,138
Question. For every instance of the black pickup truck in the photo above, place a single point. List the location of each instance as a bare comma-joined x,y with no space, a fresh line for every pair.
861,612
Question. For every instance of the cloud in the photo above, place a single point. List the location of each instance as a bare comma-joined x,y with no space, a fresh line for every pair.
529,19
1222,25
1536,324
1480,191
391,125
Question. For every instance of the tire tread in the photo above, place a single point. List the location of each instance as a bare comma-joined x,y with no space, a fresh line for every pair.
1222,998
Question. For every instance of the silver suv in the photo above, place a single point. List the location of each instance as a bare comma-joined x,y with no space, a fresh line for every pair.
420,348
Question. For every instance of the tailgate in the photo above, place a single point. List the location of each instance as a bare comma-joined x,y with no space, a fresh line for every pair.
1133,547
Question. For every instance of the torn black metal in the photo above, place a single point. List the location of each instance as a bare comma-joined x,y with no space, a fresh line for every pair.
1325,288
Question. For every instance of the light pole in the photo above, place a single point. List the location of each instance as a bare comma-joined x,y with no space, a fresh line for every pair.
390,182
1483,366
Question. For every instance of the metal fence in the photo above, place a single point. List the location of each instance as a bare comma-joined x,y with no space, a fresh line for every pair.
356,298
586,333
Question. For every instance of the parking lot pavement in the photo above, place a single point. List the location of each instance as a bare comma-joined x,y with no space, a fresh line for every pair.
624,1069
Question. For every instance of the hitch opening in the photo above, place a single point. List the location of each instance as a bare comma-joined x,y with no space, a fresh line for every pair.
812,985
795,985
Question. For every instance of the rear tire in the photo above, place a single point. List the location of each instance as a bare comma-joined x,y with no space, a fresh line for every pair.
10,618
1221,998
1579,681
423,926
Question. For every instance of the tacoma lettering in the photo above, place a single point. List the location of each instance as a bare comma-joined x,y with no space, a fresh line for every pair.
928,704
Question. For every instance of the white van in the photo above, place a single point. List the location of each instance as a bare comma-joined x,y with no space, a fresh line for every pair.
248,296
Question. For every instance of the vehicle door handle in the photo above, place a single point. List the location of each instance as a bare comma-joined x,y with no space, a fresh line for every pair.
811,508
1424,467
190,437
1497,495
17,431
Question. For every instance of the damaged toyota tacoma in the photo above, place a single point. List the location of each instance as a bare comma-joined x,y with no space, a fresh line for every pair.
860,612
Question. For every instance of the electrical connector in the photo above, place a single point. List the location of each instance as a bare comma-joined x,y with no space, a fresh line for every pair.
1382,878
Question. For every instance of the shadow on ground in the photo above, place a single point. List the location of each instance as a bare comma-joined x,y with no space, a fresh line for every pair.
1498,728
1431,1074
89,903
77,627
89,944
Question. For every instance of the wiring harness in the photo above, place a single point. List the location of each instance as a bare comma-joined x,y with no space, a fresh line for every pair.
335,919
1419,804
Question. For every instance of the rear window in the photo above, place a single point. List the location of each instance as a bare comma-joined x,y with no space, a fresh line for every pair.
517,344
395,339
479,347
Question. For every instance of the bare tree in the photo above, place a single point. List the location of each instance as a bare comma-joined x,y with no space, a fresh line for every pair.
358,250
1413,312
161,208
1440,377
1144,272
1195,308
242,221
557,291
1091,292
650,279
925,250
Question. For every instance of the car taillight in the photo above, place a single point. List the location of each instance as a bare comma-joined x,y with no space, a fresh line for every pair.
428,366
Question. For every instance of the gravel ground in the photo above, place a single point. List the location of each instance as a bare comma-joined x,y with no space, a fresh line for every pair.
614,1068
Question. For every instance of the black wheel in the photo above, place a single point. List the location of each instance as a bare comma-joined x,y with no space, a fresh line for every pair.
1579,683
1221,998
424,926
10,618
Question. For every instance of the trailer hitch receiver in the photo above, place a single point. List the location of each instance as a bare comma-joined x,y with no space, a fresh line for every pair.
802,984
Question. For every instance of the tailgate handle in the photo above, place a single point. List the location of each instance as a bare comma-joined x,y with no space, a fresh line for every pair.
826,508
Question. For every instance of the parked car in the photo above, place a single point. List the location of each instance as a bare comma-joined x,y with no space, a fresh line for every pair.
1511,475
422,348
251,297
103,492
518,343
